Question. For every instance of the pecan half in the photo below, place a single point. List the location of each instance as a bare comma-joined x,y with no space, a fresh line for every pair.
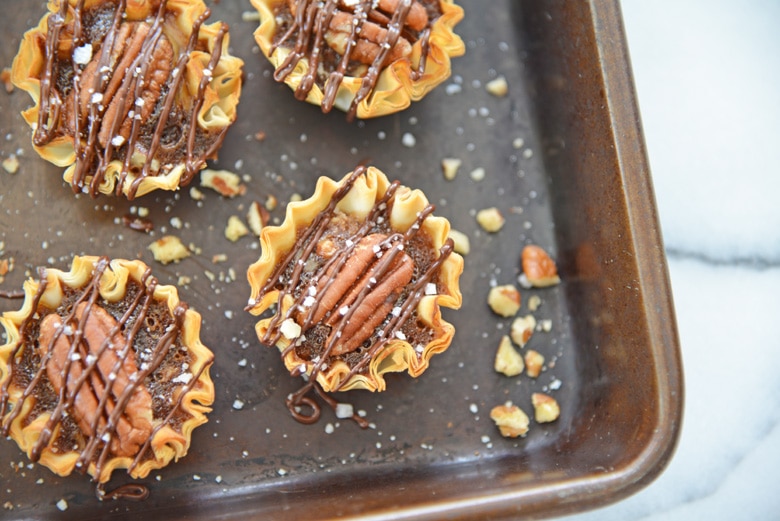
366,283
127,67
117,386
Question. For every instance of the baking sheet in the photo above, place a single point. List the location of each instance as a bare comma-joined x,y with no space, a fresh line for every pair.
432,449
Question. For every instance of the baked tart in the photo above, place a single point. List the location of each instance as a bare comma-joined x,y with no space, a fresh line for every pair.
354,280
366,57
130,95
103,369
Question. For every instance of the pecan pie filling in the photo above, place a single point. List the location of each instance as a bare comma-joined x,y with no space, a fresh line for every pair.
358,297
138,96
98,382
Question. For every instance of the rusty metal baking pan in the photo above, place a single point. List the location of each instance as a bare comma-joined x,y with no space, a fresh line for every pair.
565,162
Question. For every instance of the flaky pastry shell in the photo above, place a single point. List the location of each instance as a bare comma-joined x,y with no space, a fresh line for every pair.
398,84
161,387
204,79
364,204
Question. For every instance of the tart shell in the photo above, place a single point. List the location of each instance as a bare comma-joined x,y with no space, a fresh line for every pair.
25,426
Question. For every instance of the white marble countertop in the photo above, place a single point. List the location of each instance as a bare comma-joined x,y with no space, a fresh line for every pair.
707,78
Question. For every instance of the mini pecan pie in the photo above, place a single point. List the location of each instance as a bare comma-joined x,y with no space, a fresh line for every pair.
365,57
131,96
357,274
103,369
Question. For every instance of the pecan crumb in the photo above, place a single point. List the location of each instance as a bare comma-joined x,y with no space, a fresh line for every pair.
169,249
504,300
498,87
235,228
5,77
508,361
223,182
522,329
510,419
546,408
490,219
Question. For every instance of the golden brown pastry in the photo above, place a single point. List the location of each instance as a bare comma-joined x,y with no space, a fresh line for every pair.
103,370
366,57
357,274
130,95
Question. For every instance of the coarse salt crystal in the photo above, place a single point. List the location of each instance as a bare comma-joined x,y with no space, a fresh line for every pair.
62,505
290,329
430,289
400,335
183,378
238,405
117,141
82,55
96,98
344,410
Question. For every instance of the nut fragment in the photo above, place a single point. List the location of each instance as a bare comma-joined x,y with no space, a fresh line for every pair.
504,300
534,302
5,78
508,361
226,183
546,408
235,228
169,249
449,167
490,219
257,217
538,267
522,329
533,363
11,164
461,240
510,420
498,87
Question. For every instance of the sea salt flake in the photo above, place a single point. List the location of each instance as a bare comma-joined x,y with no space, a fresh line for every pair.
183,378
430,289
62,505
117,141
82,55
344,410
400,335
238,405
96,98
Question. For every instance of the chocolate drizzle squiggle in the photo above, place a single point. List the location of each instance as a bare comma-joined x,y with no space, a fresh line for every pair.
388,252
89,368
127,98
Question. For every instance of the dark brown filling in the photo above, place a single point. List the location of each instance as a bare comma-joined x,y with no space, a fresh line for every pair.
113,85
157,365
341,40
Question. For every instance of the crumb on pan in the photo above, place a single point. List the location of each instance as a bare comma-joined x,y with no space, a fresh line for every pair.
490,219
510,419
522,329
449,167
534,361
497,87
504,300
546,408
461,241
223,182
508,361
168,249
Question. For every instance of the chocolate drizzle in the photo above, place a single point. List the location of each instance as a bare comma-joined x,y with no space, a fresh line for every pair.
116,124
98,368
313,19
290,282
